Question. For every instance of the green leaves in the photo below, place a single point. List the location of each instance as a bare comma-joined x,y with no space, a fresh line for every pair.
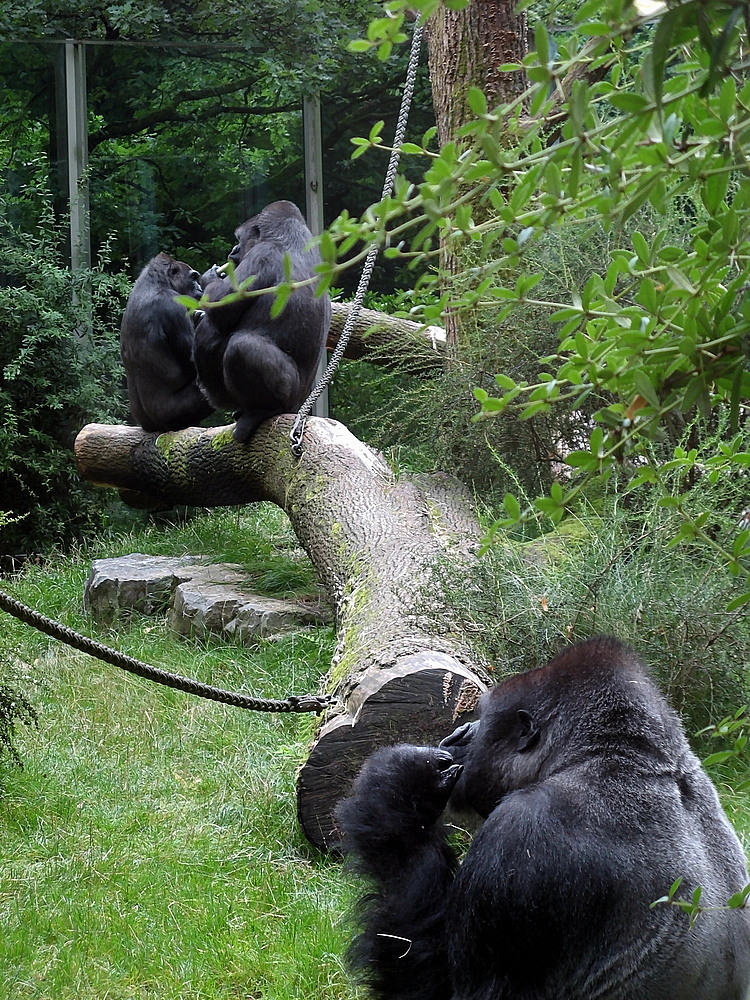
692,906
385,32
477,101
373,139
714,190
739,899
633,104
660,332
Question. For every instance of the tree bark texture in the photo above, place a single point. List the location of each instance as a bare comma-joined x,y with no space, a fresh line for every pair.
466,49
383,338
379,545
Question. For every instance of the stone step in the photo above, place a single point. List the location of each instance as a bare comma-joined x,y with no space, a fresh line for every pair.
197,596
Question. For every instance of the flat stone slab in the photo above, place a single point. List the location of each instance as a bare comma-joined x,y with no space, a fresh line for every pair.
202,606
198,597
136,582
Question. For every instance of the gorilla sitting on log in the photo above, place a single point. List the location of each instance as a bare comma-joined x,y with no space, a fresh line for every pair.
156,346
593,806
247,360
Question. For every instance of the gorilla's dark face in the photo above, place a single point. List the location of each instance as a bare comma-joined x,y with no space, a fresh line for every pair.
247,235
184,280
498,751
165,272
281,220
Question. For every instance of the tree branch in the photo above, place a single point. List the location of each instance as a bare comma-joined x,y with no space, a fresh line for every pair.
383,338
378,544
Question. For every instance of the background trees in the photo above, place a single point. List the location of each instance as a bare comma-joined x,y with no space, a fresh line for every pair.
194,116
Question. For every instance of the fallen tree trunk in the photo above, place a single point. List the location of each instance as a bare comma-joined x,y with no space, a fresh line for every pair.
378,545
400,337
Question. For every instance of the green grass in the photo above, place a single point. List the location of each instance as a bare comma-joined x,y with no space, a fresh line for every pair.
150,847
258,537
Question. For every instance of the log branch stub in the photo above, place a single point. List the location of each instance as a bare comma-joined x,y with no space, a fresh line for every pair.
420,699
375,330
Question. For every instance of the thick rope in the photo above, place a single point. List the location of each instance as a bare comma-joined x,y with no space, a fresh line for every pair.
305,410
296,703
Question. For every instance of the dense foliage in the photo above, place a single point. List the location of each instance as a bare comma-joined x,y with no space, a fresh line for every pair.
194,116
59,368
660,330
300,33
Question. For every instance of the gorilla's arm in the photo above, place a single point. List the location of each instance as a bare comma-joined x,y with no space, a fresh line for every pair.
161,412
531,888
391,832
265,264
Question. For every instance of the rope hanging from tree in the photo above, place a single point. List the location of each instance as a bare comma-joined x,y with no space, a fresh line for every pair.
305,410
295,703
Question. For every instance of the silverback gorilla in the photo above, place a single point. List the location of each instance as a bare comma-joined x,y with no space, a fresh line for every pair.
247,360
156,346
593,805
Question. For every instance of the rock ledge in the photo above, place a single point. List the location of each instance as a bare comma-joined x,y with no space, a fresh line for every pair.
197,597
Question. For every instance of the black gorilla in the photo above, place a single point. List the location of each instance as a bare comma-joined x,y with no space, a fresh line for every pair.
593,805
156,346
248,361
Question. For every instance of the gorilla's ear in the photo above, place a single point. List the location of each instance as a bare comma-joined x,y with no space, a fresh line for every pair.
529,734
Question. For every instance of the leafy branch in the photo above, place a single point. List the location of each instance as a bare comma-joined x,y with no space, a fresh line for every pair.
663,331
693,906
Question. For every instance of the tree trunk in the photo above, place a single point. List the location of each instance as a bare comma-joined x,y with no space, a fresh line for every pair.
379,546
466,49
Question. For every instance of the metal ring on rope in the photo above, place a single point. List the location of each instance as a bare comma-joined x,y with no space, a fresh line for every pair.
295,703
305,410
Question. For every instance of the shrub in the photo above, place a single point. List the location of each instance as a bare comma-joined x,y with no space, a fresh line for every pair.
14,707
613,568
59,369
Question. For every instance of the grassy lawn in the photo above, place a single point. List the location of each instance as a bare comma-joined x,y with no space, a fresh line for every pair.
150,847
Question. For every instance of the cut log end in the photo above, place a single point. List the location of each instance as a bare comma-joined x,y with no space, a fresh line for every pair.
419,700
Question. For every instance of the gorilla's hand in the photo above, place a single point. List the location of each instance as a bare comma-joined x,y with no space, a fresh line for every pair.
398,797
459,741
423,777
448,770
215,273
